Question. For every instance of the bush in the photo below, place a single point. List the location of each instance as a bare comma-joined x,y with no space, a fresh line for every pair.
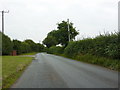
55,50
103,45
71,49
25,47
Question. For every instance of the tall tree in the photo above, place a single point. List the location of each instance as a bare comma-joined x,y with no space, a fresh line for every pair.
25,47
31,43
63,32
50,41
7,45
60,36
17,46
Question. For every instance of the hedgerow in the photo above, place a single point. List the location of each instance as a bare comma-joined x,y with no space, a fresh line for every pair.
106,45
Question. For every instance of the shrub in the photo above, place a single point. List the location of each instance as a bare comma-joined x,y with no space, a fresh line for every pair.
103,45
55,50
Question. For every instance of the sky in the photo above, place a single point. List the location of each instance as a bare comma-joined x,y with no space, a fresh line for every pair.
33,19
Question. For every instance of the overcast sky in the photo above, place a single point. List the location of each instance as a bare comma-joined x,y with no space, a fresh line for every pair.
33,19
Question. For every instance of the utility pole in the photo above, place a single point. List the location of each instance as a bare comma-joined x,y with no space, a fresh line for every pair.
3,19
68,30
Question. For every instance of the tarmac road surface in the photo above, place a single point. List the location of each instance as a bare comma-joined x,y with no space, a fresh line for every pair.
51,71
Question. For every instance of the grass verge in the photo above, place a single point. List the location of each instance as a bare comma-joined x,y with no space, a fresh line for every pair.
12,68
101,61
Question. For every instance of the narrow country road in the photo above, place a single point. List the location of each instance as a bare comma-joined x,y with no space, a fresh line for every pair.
50,71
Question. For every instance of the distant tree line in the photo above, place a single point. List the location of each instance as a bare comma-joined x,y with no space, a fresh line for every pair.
25,46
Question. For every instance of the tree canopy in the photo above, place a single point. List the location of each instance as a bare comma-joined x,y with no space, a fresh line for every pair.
17,45
60,36
26,46
50,41
7,44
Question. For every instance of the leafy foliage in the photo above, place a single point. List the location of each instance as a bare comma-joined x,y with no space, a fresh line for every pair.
55,50
50,41
63,30
103,50
7,44
60,36
17,45
27,46
21,47
31,43
104,45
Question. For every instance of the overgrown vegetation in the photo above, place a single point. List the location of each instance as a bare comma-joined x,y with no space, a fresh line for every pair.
102,61
12,68
104,45
103,50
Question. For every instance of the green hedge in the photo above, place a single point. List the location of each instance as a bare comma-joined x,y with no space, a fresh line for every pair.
107,45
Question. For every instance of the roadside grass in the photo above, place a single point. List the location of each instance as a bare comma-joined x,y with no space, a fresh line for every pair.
112,64
12,68
32,53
